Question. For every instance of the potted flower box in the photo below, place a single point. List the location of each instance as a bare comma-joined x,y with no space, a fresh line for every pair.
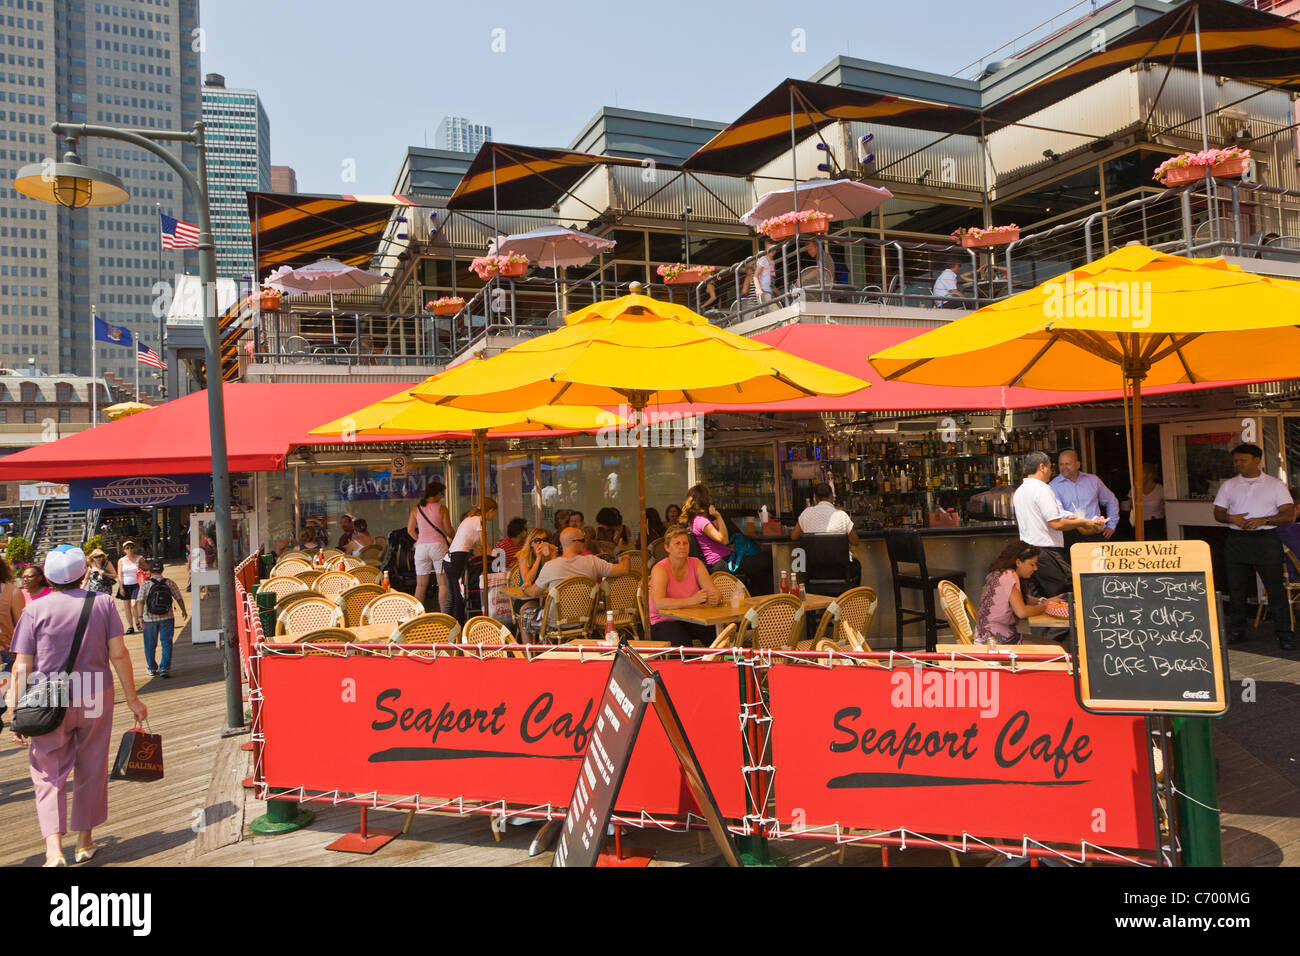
796,223
511,269
447,305
1190,167
507,266
269,301
679,274
976,237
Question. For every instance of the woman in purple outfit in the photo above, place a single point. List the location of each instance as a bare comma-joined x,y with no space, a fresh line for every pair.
41,643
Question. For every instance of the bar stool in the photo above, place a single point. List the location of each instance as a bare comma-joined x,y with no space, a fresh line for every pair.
906,547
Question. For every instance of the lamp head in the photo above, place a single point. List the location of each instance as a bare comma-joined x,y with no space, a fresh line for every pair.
70,184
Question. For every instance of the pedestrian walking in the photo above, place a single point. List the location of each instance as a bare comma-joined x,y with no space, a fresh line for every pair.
159,599
79,746
128,573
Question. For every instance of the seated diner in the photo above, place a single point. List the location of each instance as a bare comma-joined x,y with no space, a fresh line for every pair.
677,581
1002,603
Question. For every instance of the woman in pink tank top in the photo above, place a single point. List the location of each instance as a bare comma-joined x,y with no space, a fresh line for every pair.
431,531
680,581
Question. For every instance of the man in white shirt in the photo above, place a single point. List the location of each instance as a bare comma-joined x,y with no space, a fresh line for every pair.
572,562
945,291
1043,524
764,272
1252,504
824,518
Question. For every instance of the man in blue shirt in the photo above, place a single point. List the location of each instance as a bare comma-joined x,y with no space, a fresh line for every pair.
1083,494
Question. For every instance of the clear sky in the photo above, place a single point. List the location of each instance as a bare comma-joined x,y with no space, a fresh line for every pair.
359,82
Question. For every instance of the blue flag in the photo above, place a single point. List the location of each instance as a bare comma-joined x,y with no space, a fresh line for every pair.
112,334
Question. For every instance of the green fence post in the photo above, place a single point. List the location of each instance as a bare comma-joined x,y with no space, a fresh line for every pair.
1193,749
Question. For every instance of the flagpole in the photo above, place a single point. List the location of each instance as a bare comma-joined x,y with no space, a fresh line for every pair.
162,319
137,371
94,372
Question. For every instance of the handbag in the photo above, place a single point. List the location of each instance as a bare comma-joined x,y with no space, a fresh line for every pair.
139,756
41,709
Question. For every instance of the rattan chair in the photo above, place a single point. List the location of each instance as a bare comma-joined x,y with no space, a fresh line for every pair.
620,596
280,586
391,607
306,615
774,623
427,629
957,609
572,600
845,622
634,563
373,554
365,574
727,638
727,584
292,598
331,554
309,576
657,551
486,630
333,583
353,601
290,567
299,555
325,635
1292,586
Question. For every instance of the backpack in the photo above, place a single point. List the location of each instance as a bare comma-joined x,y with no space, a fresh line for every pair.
741,548
159,599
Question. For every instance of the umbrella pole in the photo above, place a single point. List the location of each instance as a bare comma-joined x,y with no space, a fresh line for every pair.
556,266
640,501
334,332
1138,474
481,434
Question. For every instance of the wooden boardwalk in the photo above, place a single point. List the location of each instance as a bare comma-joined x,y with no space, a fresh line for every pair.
198,814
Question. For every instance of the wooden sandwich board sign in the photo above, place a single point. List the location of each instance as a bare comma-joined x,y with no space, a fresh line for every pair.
1146,629
632,688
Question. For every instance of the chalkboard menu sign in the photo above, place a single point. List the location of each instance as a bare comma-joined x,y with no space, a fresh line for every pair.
1146,629
632,687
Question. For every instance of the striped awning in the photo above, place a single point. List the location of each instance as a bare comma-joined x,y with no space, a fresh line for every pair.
1236,41
509,177
296,230
763,132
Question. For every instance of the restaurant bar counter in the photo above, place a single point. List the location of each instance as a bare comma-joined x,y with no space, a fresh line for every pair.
969,547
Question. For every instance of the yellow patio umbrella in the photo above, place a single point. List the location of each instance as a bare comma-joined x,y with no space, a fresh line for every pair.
1134,316
402,415
638,351
123,409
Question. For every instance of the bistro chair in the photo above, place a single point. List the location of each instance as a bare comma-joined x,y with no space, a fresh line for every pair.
572,601
634,562
657,550
353,601
367,574
325,635
774,623
486,630
957,609
309,576
620,596
845,622
280,586
391,607
373,554
333,583
290,567
292,598
306,615
725,639
427,629
328,554
905,547
1290,581
294,555
830,570
727,585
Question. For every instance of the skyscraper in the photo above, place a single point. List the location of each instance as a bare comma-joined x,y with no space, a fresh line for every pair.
133,63
283,179
459,134
239,160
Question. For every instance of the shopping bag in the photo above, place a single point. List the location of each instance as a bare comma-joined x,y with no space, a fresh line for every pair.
139,756
498,604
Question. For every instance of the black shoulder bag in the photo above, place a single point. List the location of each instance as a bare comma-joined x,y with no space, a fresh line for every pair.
42,708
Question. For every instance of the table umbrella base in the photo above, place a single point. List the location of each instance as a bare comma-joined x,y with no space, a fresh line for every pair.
752,851
282,816
364,839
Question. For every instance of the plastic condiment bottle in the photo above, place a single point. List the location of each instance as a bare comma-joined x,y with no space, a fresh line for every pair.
611,632
785,582
387,586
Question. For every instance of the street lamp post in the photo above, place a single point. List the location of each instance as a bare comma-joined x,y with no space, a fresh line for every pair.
73,185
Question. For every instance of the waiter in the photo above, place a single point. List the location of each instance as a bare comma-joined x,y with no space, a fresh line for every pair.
1252,504
1043,523
1084,495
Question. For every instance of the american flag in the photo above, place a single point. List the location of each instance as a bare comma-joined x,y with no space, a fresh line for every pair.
177,234
147,356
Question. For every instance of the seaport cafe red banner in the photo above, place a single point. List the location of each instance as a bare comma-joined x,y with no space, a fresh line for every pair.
957,750
485,730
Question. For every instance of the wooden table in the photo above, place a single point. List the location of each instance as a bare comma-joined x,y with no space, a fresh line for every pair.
722,615
362,634
1046,621
587,648
517,593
